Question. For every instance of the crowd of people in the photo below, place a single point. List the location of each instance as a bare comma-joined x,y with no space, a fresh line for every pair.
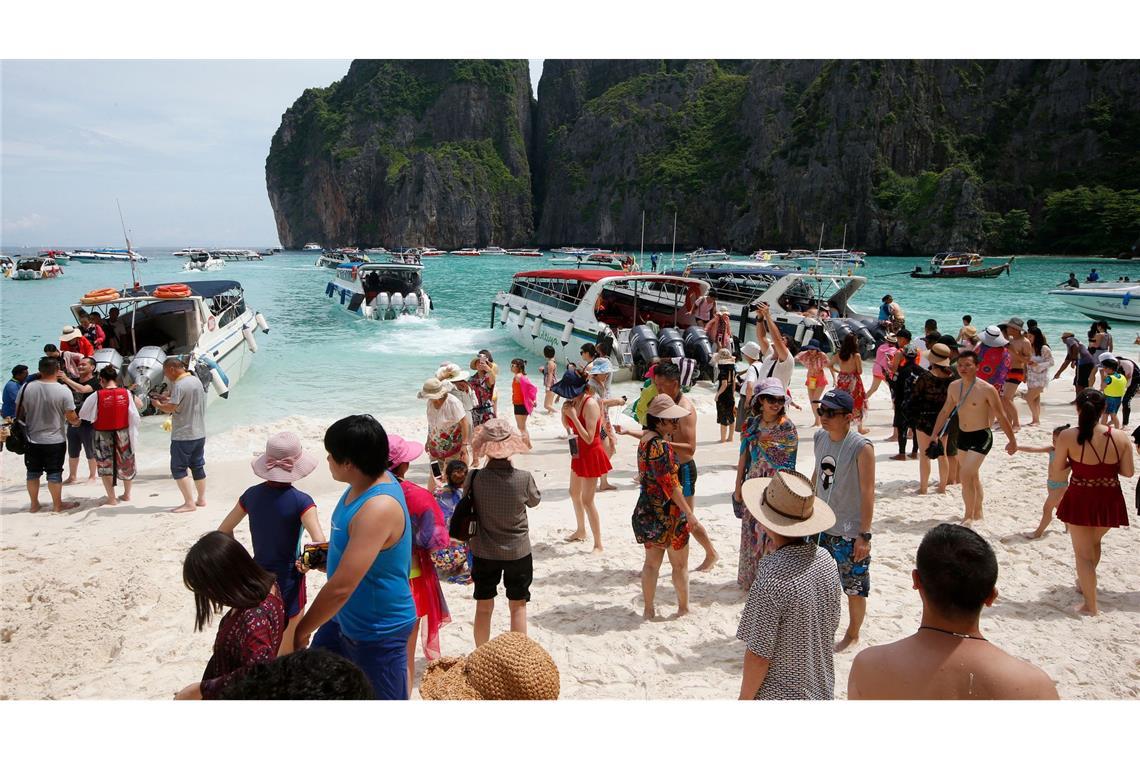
805,540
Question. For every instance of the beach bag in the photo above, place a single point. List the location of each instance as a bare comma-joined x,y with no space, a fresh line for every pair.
463,524
17,437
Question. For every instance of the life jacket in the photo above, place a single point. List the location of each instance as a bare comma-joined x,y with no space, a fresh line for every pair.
113,409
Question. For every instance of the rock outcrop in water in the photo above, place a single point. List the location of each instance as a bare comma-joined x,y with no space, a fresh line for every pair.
912,156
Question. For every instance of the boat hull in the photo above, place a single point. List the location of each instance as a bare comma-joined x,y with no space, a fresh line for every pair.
986,273
350,297
1121,304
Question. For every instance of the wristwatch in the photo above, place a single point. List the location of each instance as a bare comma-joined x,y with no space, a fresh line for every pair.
865,536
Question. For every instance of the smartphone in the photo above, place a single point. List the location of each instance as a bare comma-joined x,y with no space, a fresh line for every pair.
436,470
573,442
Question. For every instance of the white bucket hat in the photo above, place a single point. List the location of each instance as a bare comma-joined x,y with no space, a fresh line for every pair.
993,338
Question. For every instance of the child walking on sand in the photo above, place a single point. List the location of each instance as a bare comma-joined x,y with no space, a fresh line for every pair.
1056,487
277,513
549,378
523,396
725,393
1113,386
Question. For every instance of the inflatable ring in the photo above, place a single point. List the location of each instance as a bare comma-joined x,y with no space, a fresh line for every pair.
175,290
100,296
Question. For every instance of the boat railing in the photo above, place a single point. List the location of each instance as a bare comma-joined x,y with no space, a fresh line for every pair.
561,294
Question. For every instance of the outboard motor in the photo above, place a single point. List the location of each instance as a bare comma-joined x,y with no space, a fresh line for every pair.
841,328
397,301
145,370
643,349
670,343
699,347
412,303
105,357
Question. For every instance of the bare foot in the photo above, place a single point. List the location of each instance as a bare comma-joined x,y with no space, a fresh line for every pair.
1035,534
913,455
966,522
1083,609
710,560
597,549
899,457
91,478
35,507
649,613
124,497
199,503
184,508
109,502
65,505
607,487
69,481
681,612
845,642
892,439
921,491
576,536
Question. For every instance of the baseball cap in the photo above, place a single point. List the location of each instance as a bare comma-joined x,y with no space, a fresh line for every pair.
837,399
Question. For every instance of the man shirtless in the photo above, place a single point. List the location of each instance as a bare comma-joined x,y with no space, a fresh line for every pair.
667,378
1020,354
976,403
948,658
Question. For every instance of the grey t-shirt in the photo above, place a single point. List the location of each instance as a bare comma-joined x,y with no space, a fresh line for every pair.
189,420
837,480
44,409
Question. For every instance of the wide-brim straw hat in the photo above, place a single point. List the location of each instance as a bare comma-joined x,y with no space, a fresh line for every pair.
665,408
572,385
509,666
434,388
69,333
497,439
786,504
939,354
451,371
724,356
284,461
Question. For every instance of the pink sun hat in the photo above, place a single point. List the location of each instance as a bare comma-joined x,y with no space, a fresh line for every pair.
284,461
401,450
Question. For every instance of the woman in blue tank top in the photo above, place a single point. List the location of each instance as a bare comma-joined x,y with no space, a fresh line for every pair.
365,612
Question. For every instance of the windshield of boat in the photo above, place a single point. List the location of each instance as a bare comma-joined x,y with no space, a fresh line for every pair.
33,264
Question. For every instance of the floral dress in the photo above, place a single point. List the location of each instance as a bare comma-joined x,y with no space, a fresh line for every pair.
1038,375
657,520
484,399
816,363
767,449
852,382
445,430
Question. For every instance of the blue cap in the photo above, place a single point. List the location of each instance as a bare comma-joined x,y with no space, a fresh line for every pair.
837,399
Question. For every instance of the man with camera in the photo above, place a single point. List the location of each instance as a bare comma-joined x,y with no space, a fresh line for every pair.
844,478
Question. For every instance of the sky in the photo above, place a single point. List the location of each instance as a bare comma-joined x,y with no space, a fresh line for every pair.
181,144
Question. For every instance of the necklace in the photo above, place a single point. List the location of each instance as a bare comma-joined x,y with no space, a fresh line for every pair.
951,633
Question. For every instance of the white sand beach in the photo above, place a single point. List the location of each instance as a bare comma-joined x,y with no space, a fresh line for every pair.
92,603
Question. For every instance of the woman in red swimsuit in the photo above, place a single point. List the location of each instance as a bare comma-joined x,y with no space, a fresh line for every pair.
1099,456
582,417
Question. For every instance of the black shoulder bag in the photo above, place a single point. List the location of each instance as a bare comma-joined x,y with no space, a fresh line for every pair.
17,436
463,524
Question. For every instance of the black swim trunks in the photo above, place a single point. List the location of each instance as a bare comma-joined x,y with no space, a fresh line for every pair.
980,441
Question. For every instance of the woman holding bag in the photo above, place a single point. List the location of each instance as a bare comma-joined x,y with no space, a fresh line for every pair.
768,444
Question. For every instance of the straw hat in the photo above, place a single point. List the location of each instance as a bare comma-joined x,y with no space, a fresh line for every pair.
939,354
786,504
69,333
993,338
509,666
572,385
724,356
496,438
451,371
890,338
401,450
665,408
970,331
284,461
435,389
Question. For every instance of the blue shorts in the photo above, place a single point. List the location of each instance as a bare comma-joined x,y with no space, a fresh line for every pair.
188,455
687,474
855,576
1112,404
384,662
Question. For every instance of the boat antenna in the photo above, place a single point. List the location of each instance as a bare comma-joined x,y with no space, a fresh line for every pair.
844,246
673,255
130,253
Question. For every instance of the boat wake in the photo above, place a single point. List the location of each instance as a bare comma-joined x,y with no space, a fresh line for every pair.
414,335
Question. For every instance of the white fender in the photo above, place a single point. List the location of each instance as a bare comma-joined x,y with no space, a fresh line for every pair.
504,314
537,326
522,317
218,383
249,341
261,323
397,301
567,331
801,328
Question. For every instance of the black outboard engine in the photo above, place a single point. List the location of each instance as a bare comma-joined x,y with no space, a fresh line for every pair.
862,330
643,349
670,343
699,347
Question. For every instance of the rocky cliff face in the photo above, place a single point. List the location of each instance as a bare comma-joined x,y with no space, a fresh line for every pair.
407,153
912,156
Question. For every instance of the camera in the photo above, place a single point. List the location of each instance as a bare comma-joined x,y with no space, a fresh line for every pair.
315,556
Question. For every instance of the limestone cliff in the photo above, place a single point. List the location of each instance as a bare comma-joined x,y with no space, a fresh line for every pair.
407,153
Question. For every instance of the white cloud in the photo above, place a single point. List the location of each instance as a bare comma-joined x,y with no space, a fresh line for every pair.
25,222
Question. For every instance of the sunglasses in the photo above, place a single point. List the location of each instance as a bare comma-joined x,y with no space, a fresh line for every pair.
773,399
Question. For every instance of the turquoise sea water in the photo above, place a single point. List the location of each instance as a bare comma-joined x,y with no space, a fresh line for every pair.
320,362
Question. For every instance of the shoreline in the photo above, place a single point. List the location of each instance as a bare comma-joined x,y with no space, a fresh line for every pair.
93,604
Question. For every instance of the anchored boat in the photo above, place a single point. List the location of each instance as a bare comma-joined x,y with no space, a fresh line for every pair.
37,268
954,264
204,262
1103,300
381,291
565,308
207,324
99,255
333,259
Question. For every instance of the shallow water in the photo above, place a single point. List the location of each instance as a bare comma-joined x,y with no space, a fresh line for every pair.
318,361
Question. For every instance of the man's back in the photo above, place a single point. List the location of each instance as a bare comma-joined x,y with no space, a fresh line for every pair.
921,667
43,408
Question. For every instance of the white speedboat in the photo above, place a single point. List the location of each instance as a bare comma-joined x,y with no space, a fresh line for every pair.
204,262
464,252
566,308
237,254
805,305
333,259
312,247
702,255
532,252
492,250
101,255
207,324
379,251
36,268
380,291
1103,300
567,250
830,257
190,251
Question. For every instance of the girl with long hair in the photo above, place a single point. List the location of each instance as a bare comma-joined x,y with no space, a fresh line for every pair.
1037,378
849,365
1094,503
